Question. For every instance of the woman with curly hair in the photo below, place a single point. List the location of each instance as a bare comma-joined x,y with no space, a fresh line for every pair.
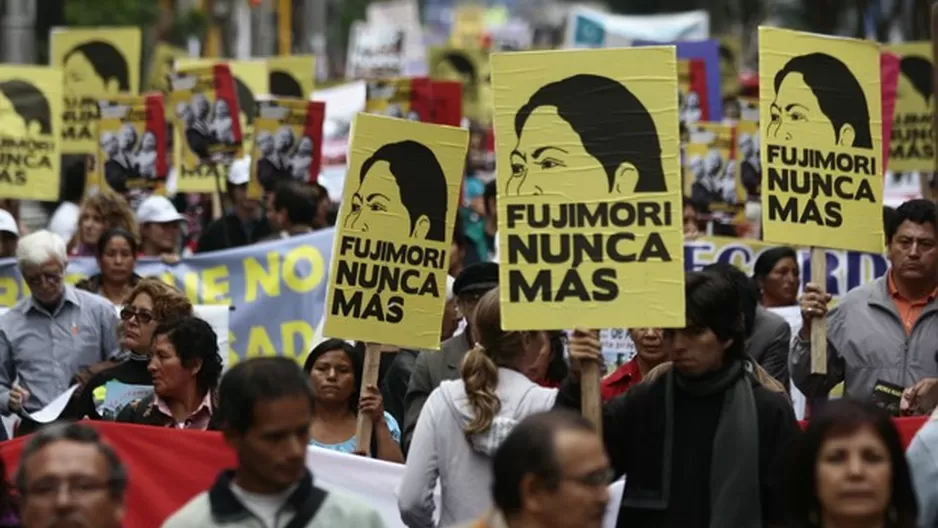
100,212
186,367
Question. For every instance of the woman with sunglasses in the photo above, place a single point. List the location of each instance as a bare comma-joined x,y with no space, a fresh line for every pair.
116,253
149,304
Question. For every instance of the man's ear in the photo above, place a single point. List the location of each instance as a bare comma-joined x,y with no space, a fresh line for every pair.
421,228
625,179
846,136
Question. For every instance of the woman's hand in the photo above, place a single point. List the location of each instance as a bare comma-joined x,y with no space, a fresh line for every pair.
583,347
371,404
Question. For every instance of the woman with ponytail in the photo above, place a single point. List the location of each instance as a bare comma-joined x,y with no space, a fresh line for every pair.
465,420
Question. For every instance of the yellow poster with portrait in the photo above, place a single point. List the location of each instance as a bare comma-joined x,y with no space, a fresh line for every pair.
469,66
291,76
30,132
822,178
468,26
387,279
731,55
95,62
710,170
161,65
912,147
748,165
589,188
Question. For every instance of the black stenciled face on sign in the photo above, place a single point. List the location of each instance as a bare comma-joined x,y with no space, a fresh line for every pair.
96,67
24,110
284,85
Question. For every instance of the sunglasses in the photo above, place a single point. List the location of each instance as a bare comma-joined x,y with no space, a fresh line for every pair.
142,317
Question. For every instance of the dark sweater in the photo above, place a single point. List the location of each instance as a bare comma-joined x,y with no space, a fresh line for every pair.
132,371
633,431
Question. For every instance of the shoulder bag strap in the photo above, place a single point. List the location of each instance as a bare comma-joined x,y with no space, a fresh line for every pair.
308,510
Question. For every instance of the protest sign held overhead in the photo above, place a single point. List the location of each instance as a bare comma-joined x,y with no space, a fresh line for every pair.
913,147
387,280
692,91
131,155
291,76
374,51
30,132
821,114
95,62
207,131
470,67
748,164
404,98
162,62
589,188
287,143
710,170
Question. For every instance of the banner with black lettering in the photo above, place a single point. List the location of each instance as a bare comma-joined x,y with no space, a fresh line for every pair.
913,147
30,132
95,62
131,156
820,104
287,143
207,132
405,98
589,188
250,79
387,280
291,76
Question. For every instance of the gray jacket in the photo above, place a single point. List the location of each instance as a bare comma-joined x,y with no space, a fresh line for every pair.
923,463
768,345
866,343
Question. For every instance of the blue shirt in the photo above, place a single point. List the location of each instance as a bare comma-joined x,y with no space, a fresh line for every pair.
349,445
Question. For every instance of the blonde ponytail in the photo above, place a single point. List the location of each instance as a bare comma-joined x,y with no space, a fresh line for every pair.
480,377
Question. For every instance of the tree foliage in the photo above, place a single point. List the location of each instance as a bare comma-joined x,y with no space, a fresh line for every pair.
112,12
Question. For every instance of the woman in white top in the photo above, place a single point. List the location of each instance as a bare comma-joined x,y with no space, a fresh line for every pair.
465,420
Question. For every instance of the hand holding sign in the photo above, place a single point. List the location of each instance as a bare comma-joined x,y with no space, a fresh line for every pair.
586,353
813,307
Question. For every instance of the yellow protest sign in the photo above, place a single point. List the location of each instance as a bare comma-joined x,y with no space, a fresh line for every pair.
468,26
161,65
912,147
30,132
291,76
731,52
471,68
748,165
131,156
288,142
822,182
95,62
710,170
206,136
387,280
589,188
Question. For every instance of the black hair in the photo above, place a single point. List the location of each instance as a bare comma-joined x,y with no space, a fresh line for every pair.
461,63
840,418
490,193
918,211
421,181
78,433
838,93
557,368
918,71
194,339
255,380
355,354
768,259
114,233
284,85
29,102
106,60
712,302
74,170
622,132
299,201
890,218
246,102
745,289
530,450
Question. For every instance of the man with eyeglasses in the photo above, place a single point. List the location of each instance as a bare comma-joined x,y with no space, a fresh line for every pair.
68,477
49,335
550,472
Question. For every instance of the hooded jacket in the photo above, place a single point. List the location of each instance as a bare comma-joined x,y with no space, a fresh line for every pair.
441,450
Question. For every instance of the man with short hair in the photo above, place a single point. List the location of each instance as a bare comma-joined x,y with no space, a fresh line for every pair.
266,407
432,367
70,457
47,337
550,472
245,224
160,227
292,209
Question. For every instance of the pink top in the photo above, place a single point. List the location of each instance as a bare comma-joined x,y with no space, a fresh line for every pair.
198,420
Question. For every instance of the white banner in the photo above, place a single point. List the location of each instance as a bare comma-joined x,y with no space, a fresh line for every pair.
589,28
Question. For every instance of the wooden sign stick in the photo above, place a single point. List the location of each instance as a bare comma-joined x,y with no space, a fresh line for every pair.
924,182
819,326
365,426
590,395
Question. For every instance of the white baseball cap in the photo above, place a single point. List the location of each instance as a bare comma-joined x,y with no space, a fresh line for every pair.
7,223
240,171
158,209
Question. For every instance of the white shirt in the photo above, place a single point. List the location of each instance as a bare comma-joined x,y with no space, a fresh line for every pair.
269,509
64,221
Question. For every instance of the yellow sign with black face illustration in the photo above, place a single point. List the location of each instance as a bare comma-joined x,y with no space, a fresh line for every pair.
387,280
912,147
589,189
291,76
30,132
821,114
95,62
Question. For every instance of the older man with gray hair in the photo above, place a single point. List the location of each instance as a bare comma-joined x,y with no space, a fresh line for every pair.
70,456
49,335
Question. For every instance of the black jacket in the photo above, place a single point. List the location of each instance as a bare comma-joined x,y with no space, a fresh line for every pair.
394,383
228,232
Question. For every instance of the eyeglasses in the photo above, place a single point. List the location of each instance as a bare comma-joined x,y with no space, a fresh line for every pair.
53,278
142,317
78,487
593,479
